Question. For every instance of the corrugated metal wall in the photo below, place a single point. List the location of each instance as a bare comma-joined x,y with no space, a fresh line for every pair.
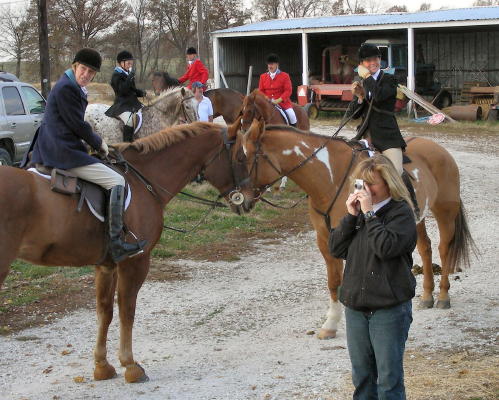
459,54
237,54
467,55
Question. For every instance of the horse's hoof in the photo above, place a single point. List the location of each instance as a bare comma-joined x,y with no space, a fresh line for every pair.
326,334
443,304
103,370
425,304
135,374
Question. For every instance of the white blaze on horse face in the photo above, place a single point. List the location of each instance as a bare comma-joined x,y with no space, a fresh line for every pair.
323,157
415,171
244,150
295,150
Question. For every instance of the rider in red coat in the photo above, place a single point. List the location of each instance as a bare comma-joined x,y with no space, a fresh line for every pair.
276,85
196,71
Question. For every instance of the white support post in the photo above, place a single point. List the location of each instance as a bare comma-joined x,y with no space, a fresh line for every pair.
411,70
304,57
250,77
216,65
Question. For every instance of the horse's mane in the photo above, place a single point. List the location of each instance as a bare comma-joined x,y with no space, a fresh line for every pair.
307,133
166,137
166,93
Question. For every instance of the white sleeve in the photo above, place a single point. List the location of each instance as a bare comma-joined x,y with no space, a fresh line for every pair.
210,108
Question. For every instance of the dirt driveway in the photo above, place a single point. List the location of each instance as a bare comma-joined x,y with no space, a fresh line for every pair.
244,329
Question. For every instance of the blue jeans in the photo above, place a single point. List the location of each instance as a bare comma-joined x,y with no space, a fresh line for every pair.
376,344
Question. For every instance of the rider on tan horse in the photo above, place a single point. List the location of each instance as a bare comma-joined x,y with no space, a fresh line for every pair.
374,100
276,85
58,144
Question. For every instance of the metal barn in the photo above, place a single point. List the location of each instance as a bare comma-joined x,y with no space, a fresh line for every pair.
462,43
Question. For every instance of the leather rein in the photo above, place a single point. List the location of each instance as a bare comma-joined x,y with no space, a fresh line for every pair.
119,161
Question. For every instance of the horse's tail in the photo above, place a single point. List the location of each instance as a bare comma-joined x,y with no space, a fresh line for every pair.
462,243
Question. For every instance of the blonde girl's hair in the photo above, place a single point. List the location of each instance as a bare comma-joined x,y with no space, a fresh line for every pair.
365,170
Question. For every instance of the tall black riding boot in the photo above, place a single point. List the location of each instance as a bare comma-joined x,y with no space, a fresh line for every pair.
408,184
120,249
128,133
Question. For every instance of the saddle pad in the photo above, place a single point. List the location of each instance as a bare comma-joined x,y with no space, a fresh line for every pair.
97,214
365,145
138,123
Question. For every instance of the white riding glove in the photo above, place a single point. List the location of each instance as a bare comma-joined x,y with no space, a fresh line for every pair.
104,149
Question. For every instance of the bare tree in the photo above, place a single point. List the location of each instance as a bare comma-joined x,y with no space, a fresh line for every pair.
397,9
268,9
375,6
223,14
85,19
425,7
355,7
482,3
15,27
303,8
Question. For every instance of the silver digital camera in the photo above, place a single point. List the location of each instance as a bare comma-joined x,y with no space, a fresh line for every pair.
358,185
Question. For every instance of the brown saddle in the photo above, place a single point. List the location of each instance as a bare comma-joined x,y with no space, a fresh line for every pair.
66,183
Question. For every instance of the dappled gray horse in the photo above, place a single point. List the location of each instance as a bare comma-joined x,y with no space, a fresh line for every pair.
174,106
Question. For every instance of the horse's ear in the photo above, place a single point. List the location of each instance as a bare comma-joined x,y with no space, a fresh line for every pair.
256,129
234,128
182,91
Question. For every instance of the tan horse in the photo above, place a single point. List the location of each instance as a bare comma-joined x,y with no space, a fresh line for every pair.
43,227
257,105
276,150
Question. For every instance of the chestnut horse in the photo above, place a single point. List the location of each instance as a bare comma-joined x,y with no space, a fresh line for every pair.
257,105
275,151
43,227
226,103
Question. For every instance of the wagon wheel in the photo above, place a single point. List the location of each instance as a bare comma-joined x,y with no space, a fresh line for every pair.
312,110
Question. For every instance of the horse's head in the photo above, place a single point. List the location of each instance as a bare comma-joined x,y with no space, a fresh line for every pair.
255,105
177,104
162,81
263,168
227,171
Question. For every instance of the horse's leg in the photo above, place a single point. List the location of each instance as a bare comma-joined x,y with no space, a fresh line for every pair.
424,249
105,287
334,275
131,275
445,216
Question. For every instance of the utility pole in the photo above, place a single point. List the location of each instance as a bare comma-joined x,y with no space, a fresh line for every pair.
200,29
43,41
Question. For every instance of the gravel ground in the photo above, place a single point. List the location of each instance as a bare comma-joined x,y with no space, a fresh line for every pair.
243,330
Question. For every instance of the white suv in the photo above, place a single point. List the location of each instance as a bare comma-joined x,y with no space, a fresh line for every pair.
21,113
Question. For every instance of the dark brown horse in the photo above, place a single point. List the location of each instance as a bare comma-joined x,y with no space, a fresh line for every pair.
277,150
226,102
43,227
162,81
257,105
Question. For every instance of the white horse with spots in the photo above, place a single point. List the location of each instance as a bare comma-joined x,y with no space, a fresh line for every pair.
172,107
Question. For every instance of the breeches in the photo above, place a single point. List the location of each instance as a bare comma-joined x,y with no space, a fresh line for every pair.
291,115
99,174
395,156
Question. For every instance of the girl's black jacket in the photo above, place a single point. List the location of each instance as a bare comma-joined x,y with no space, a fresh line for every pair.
378,256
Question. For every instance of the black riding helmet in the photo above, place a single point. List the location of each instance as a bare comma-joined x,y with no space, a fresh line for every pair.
89,57
272,58
368,50
191,50
124,56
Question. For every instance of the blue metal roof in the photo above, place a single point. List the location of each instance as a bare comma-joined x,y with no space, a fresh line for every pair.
436,16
